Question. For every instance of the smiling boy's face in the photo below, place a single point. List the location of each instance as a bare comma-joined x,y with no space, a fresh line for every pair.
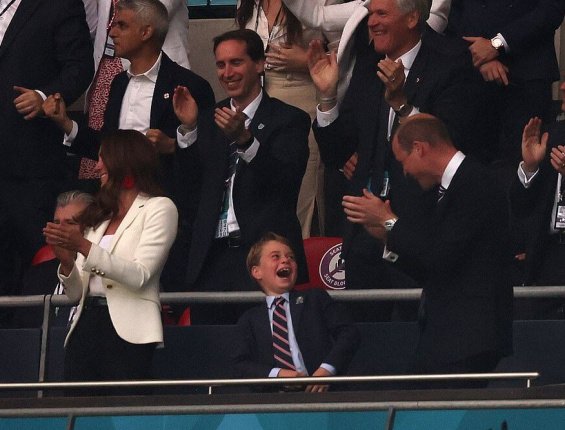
277,269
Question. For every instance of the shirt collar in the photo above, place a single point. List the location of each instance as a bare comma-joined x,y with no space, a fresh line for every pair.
152,73
409,57
251,108
451,169
271,299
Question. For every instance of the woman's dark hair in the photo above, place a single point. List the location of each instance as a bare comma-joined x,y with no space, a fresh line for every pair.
126,153
293,25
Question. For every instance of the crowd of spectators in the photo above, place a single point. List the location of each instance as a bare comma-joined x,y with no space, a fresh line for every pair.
433,121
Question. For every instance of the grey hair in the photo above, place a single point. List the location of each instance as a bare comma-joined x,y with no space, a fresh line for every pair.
421,6
74,196
150,12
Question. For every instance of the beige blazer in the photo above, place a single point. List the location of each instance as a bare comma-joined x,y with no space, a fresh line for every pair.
130,269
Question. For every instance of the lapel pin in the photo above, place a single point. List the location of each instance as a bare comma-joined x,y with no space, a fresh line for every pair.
417,80
299,300
261,126
166,96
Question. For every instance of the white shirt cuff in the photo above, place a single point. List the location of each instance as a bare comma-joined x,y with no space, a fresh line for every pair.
504,43
185,137
326,118
329,368
249,154
68,139
274,372
389,255
525,178
42,94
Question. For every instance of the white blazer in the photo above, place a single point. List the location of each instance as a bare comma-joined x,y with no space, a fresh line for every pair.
176,42
345,17
130,269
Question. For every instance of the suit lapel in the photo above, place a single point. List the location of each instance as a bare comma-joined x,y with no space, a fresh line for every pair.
114,106
414,79
296,305
162,97
264,333
22,15
262,120
94,236
133,212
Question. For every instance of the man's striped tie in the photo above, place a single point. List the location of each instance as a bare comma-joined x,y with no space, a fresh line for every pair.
281,347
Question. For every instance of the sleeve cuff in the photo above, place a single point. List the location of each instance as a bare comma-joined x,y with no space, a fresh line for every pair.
389,255
68,139
274,372
504,43
329,368
525,178
186,137
326,118
249,154
42,94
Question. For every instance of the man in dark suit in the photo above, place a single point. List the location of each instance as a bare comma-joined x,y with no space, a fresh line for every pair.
403,69
44,48
537,195
512,43
318,337
252,152
141,97
457,237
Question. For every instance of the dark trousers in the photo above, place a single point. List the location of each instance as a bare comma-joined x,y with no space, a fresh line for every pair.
25,207
95,352
224,270
484,362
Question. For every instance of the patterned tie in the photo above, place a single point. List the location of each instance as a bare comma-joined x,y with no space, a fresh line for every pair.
281,347
441,193
97,98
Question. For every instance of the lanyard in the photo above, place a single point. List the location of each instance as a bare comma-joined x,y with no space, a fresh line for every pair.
271,32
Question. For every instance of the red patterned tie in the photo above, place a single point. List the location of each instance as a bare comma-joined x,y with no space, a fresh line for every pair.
97,98
281,346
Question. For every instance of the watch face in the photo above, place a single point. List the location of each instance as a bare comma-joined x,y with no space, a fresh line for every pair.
496,43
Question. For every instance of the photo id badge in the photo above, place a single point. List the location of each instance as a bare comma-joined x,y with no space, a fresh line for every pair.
560,216
109,47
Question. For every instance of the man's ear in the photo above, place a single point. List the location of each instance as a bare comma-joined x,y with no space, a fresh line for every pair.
421,147
260,66
256,273
147,32
413,19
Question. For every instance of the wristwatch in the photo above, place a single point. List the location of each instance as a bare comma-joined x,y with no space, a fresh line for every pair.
389,223
497,43
404,109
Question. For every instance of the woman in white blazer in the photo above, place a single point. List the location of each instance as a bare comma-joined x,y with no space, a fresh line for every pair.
114,268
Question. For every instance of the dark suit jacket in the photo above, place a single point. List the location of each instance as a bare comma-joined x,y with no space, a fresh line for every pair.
528,27
461,245
265,191
437,84
537,201
162,117
46,47
324,331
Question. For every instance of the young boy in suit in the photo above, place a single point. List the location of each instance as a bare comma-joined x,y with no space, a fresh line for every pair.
297,333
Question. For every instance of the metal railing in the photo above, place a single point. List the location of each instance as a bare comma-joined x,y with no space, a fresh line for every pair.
212,383
47,301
